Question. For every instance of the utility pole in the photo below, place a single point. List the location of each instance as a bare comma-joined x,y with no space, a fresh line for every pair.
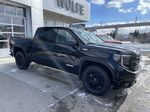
101,23
136,20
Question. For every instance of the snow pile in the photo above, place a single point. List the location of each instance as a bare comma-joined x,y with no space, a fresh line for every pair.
82,95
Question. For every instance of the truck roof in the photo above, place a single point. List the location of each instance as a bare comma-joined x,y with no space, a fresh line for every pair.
58,27
55,27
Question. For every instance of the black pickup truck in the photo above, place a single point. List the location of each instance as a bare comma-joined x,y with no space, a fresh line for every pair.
99,65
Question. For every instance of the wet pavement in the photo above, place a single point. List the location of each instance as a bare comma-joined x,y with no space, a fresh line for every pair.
43,89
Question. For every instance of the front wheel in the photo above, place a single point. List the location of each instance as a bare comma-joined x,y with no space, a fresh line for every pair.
21,61
95,80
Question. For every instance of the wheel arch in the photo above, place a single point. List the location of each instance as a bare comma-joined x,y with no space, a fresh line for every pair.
97,62
16,49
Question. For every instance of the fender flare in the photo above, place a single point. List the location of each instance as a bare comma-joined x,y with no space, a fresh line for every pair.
100,61
23,50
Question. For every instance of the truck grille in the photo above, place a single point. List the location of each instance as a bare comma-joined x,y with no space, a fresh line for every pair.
135,63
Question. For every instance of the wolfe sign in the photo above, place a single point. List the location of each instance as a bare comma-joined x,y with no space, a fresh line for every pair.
71,6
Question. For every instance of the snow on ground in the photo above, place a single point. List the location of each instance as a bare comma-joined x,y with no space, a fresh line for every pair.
142,47
4,53
145,71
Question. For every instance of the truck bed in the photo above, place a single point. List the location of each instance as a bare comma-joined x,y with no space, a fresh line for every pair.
20,42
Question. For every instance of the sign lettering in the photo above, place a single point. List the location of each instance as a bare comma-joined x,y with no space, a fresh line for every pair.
71,6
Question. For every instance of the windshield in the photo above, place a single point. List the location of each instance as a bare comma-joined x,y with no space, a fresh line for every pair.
106,38
87,37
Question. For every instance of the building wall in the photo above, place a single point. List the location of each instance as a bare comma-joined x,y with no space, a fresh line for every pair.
51,5
36,14
47,13
52,19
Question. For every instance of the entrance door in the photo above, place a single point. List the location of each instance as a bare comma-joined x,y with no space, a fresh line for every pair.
12,23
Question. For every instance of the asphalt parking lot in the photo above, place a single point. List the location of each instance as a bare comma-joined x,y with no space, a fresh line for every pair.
43,89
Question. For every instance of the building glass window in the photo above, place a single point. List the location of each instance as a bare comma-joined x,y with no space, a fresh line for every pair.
19,29
12,23
5,20
5,28
20,12
50,23
18,21
19,35
4,39
59,23
5,36
10,10
1,8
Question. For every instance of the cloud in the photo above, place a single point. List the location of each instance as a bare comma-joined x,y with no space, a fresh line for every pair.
99,2
118,3
130,10
144,6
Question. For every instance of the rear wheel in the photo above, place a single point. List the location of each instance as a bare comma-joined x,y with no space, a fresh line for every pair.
95,80
21,61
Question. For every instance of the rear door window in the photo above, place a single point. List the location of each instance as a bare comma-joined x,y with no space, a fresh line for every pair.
48,35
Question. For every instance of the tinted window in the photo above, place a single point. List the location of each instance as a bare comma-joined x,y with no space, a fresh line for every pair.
87,37
48,35
64,37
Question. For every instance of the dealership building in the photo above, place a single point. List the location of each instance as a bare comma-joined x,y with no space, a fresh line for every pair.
22,17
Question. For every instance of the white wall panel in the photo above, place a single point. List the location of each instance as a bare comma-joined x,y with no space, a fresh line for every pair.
51,5
36,14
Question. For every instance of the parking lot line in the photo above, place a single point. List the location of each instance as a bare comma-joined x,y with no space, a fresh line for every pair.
43,110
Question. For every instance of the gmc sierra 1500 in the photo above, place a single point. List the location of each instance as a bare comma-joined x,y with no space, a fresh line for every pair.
99,65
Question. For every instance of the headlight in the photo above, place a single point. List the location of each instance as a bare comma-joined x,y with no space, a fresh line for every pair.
124,60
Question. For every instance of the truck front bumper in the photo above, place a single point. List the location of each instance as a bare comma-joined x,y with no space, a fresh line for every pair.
126,78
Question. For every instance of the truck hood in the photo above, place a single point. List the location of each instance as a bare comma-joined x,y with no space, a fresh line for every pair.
124,49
